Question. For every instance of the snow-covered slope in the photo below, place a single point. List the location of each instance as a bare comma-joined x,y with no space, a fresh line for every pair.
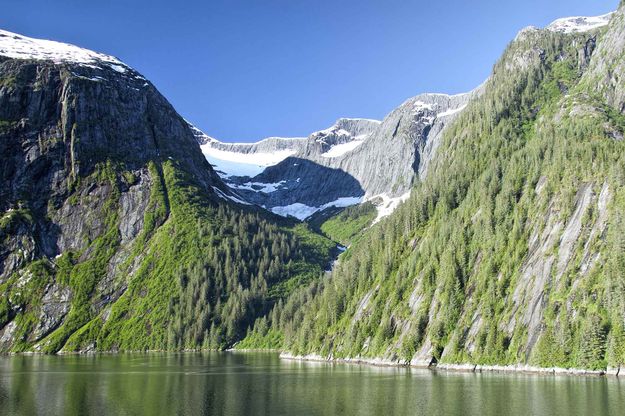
246,159
579,23
229,163
13,45
341,149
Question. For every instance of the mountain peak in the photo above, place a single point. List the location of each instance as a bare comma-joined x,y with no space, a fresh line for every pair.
579,23
13,45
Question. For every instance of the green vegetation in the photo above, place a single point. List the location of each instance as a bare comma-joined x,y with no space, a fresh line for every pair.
7,124
8,82
345,225
12,219
31,282
197,276
486,262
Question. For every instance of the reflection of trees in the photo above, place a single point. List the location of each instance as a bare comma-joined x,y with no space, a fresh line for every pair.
20,389
245,384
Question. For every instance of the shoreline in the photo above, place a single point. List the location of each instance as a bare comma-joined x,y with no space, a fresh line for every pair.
458,368
375,362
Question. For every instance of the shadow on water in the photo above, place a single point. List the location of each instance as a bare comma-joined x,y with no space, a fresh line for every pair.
260,383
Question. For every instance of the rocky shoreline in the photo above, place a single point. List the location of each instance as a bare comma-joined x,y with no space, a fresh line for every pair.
467,368
381,362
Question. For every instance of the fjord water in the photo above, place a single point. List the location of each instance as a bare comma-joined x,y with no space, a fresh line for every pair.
263,384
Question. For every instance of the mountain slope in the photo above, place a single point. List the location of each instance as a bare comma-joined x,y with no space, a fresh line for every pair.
353,161
116,233
510,251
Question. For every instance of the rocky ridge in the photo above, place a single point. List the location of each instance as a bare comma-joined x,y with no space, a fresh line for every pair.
353,161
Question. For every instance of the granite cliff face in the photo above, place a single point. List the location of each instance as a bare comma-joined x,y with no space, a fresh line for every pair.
59,121
105,198
353,161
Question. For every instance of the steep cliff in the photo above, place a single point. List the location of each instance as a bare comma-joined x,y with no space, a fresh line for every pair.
353,161
116,233
510,250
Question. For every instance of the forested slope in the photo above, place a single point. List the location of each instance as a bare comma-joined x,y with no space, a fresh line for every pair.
512,249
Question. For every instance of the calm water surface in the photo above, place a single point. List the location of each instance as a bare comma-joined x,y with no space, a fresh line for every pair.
262,384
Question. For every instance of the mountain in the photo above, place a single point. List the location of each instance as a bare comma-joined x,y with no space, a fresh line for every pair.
511,247
353,161
116,232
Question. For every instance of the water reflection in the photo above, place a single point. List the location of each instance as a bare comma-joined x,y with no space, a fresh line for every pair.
246,384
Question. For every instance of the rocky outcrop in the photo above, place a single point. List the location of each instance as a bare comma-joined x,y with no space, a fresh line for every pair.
399,151
605,76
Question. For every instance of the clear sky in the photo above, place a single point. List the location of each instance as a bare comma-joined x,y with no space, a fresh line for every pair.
242,70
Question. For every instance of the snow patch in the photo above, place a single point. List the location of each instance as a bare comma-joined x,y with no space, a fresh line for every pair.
118,68
451,111
343,202
341,149
297,210
17,46
225,196
421,106
242,164
388,205
579,23
95,79
264,140
303,211
365,119
225,169
259,186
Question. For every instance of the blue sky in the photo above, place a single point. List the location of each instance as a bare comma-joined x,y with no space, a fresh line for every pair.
243,70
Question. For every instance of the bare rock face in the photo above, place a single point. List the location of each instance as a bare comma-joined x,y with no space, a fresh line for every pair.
132,206
352,161
606,75
55,305
67,120
18,244
399,151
